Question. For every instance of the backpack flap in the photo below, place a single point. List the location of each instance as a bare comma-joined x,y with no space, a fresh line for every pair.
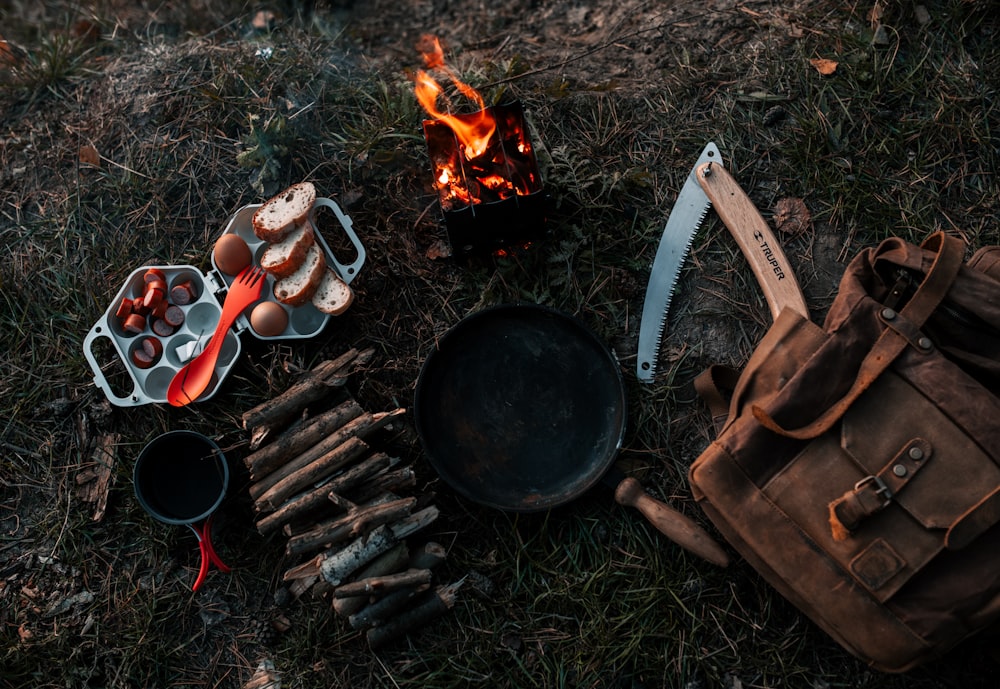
921,485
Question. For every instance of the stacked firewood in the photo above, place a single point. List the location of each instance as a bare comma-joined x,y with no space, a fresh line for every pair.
344,506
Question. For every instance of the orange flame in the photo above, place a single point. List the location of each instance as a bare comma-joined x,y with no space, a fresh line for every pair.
474,133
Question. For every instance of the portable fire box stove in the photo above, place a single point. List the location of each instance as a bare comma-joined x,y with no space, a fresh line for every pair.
492,198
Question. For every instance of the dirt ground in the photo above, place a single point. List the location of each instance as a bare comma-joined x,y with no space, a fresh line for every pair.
631,50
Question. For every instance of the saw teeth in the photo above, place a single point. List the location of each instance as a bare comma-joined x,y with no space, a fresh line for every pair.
685,211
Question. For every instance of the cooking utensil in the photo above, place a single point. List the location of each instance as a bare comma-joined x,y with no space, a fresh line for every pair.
192,380
522,408
181,477
675,525
682,225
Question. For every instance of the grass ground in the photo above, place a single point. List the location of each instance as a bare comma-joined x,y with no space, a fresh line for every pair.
192,112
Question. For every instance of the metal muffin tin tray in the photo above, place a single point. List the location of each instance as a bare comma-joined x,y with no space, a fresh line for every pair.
202,314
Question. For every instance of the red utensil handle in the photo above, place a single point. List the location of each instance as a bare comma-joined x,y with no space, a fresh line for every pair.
208,554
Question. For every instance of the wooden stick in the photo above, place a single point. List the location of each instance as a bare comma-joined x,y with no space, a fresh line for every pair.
434,605
95,482
264,419
311,474
391,561
339,500
429,556
415,522
386,482
307,454
377,586
357,522
377,612
343,505
303,502
361,426
306,570
300,585
297,440
299,394
357,474
320,588
337,566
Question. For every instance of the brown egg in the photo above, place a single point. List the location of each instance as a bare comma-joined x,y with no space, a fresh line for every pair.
268,319
232,254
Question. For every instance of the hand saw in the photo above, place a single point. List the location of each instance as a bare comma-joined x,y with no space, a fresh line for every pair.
710,184
682,225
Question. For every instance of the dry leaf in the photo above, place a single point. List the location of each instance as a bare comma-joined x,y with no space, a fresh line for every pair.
264,20
824,66
90,156
438,249
876,14
24,633
791,216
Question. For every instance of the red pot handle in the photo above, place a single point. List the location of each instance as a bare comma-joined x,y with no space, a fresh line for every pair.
208,554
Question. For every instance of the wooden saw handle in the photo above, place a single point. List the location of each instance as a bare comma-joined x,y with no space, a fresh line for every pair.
753,235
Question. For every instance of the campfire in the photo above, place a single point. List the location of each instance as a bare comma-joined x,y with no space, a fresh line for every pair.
483,163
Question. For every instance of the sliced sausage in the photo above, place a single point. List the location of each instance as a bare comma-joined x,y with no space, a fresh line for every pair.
163,328
124,309
153,297
183,294
154,274
161,308
139,306
147,353
153,347
135,323
174,315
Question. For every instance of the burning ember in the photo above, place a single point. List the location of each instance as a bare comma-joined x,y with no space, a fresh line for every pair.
484,165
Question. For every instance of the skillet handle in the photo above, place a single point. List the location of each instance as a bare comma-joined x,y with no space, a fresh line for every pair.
676,526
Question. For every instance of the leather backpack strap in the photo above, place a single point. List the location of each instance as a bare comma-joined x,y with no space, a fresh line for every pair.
715,385
902,329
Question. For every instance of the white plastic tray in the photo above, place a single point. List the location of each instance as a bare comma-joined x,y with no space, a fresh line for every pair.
202,314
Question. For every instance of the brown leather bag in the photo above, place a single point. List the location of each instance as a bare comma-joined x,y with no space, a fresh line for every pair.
857,465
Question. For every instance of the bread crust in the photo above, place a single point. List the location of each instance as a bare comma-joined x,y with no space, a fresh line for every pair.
333,296
283,258
280,214
299,287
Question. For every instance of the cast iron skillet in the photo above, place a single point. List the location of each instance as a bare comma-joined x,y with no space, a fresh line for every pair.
520,407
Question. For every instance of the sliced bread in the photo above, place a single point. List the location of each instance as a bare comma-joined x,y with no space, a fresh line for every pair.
280,214
333,295
284,257
299,287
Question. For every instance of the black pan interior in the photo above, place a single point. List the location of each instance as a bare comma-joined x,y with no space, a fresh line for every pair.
520,407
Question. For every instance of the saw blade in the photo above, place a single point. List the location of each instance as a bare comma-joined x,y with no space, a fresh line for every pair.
689,210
